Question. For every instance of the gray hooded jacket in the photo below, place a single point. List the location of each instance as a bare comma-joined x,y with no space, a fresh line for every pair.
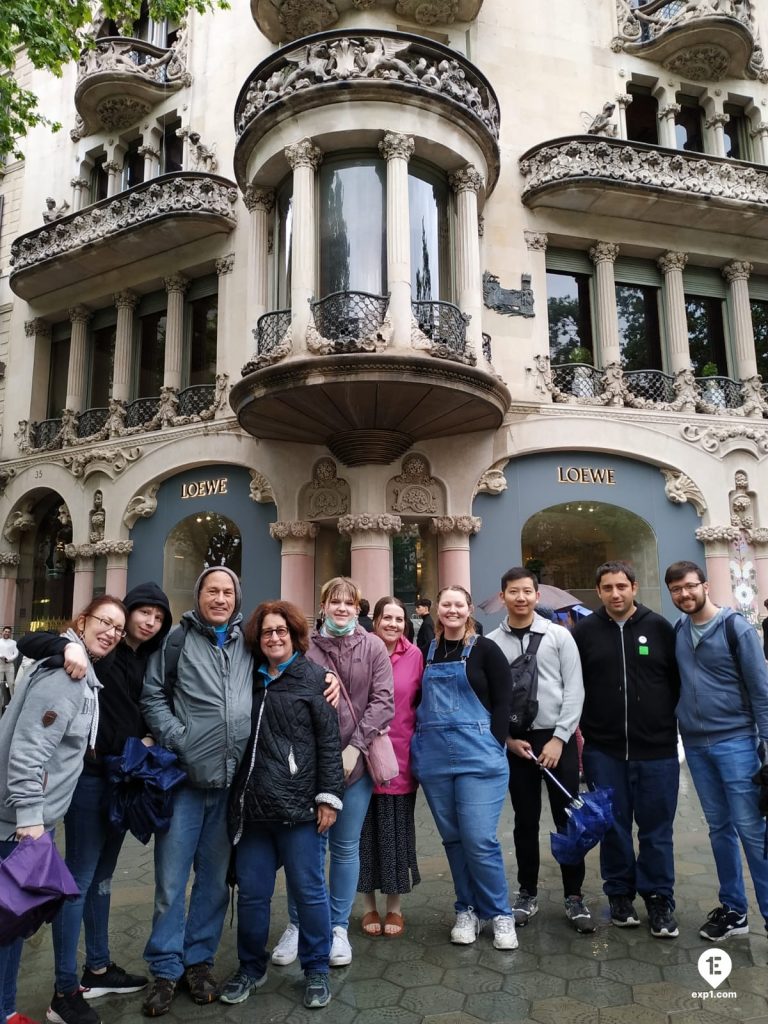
209,720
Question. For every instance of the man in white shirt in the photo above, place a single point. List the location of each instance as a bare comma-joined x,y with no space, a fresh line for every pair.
9,652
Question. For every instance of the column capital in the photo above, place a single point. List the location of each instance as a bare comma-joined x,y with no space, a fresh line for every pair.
298,528
113,166
536,240
717,120
149,151
256,198
670,111
303,154
672,261
79,314
370,522
126,300
624,99
759,131
604,252
176,283
395,145
37,328
737,270
79,182
467,179
466,525
9,558
115,549
226,264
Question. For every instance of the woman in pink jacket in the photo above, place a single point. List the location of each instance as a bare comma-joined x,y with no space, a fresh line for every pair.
360,662
388,840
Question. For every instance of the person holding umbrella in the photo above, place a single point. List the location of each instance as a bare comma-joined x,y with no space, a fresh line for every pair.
631,685
549,743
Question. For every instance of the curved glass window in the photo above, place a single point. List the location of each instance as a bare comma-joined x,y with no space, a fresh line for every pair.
564,544
201,541
428,199
284,236
352,218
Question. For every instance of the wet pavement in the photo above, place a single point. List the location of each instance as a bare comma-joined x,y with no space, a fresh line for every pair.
615,976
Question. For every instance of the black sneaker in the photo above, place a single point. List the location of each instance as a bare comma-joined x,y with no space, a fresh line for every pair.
113,980
71,1008
722,923
201,983
317,991
623,913
578,914
240,986
159,998
660,918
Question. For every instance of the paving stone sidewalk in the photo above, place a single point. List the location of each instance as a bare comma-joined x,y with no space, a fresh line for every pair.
615,976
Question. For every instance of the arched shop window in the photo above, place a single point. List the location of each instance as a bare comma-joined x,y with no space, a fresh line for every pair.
201,541
52,572
564,544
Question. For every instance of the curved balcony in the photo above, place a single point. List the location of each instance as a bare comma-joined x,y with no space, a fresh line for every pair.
633,180
702,41
345,67
153,217
119,80
368,403
92,421
350,321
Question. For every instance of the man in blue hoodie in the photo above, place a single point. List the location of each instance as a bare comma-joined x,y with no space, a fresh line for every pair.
722,713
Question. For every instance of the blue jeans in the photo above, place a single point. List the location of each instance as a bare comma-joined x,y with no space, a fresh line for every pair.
197,838
645,793
721,774
260,852
10,956
344,842
92,852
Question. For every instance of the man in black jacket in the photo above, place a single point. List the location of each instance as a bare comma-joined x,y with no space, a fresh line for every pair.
426,633
631,688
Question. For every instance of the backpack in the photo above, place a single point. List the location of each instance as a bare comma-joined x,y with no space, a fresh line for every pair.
733,646
524,704
173,647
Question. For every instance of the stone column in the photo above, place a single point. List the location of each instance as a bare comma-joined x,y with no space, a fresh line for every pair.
117,552
79,193
78,363
371,553
297,562
260,202
672,264
536,243
225,343
176,287
9,569
126,303
82,590
717,542
603,255
466,184
114,171
397,151
151,161
737,274
40,331
716,135
667,117
304,158
623,100
760,137
760,545
453,533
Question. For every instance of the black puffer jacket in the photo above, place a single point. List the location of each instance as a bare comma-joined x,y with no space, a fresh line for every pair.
293,759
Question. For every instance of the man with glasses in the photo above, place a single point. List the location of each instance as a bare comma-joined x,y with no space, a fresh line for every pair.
722,713
630,744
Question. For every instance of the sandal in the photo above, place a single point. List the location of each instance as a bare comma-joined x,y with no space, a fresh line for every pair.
371,923
396,925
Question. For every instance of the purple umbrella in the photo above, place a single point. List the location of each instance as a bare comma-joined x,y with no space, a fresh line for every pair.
550,597
34,882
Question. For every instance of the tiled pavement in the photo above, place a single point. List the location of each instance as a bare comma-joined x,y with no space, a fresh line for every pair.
616,976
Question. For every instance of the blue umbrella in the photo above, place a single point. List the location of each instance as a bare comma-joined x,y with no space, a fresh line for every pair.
141,792
590,815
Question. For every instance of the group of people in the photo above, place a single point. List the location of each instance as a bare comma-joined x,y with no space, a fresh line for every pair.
273,727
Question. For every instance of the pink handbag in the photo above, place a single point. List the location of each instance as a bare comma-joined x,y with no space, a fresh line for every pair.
380,759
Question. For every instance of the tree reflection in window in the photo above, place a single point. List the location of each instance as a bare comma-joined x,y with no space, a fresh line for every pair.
570,320
201,541
637,308
706,335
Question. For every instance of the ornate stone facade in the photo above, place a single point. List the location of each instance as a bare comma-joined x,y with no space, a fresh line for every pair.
327,496
370,522
467,525
414,491
260,489
142,506
679,489
111,461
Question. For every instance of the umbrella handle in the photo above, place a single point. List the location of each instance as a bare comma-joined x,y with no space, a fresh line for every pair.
557,782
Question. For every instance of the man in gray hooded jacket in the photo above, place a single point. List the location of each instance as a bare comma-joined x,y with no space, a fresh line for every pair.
202,712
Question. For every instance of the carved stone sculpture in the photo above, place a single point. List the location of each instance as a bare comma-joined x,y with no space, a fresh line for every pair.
142,506
414,490
52,212
601,123
327,496
97,518
680,488
508,301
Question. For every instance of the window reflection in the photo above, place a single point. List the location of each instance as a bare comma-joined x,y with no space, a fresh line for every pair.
151,354
639,339
430,236
706,335
201,541
352,226
570,320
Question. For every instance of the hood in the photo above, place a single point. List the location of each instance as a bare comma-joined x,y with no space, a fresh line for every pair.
150,593
238,592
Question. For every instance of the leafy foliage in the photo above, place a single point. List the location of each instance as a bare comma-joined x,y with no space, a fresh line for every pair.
52,32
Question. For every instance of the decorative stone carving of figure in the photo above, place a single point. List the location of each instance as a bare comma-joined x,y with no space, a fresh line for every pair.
98,518
601,125
203,157
53,212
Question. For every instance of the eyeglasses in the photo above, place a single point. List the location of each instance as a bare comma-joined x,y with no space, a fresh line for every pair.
279,631
108,627
684,588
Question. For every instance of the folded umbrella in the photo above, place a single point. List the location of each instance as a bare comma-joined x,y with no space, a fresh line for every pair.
760,778
142,780
34,882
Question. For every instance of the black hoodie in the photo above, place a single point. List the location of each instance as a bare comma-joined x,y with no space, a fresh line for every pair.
631,684
121,673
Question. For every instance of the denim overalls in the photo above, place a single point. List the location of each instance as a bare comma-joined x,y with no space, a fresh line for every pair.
464,774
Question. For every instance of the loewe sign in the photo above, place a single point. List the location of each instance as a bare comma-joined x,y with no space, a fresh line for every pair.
585,475
204,488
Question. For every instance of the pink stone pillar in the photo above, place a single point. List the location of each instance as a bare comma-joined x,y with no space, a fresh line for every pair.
371,551
761,571
719,573
297,563
8,589
117,567
82,590
453,533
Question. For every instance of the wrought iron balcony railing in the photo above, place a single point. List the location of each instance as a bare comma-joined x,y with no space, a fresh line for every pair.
43,434
651,385
578,379
444,324
141,411
720,392
348,319
91,421
270,330
197,399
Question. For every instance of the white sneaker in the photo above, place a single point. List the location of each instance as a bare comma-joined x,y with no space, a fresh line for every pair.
287,949
341,951
466,929
504,936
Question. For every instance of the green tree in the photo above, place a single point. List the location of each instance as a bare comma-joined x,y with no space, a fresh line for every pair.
53,32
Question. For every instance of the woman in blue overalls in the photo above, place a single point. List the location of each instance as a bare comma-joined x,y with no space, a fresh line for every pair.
459,757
